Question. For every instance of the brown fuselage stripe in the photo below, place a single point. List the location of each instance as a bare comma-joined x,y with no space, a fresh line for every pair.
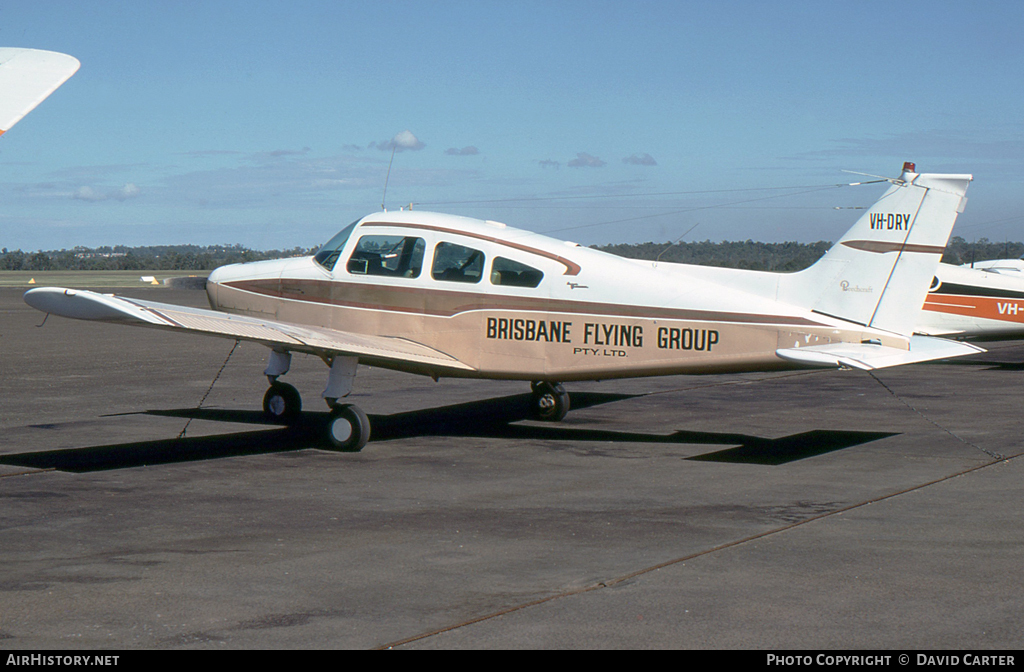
571,267
881,247
442,303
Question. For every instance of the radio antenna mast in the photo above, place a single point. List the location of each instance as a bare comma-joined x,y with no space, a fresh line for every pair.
384,198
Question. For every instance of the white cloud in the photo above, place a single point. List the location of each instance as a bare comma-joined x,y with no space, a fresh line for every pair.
211,152
127,191
308,181
465,151
401,142
548,163
288,152
87,193
640,160
584,160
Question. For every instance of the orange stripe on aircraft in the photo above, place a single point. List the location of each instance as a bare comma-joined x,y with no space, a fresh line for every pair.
989,308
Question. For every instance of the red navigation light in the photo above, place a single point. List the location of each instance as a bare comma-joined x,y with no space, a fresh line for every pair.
908,167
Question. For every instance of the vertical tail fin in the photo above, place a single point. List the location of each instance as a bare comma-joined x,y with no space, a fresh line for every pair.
879,272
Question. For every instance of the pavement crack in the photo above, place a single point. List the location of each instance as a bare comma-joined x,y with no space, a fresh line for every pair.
612,582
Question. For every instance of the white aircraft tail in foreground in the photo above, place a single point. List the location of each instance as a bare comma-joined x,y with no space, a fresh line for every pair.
27,78
873,275
450,296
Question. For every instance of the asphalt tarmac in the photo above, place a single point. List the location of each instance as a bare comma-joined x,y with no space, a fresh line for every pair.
791,510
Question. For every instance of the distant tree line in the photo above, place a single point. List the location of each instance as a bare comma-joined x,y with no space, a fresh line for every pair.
787,257
959,251
781,257
747,254
146,258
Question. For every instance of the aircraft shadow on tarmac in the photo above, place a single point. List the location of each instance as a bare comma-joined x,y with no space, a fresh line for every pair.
989,365
488,418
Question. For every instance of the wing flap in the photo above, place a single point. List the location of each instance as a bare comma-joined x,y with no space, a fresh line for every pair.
384,350
868,356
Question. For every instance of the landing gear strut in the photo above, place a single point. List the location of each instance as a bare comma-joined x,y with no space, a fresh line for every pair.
282,402
347,428
550,401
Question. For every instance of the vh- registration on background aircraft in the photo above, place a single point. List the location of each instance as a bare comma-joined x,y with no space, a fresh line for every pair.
980,301
441,295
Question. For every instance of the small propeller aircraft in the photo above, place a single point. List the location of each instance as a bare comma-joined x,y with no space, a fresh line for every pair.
979,302
27,78
442,295
1011,267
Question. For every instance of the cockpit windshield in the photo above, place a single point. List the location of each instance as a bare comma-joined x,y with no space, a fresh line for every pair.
328,255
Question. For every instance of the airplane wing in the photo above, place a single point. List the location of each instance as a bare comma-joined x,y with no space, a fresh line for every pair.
868,356
384,351
27,77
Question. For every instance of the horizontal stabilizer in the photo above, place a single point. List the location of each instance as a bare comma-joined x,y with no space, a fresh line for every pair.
868,356
939,331
383,351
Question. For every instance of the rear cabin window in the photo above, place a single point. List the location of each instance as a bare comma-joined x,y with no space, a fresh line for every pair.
514,274
396,256
456,263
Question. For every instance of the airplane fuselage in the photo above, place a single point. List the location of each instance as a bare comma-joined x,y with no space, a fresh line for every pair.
590,316
451,296
974,303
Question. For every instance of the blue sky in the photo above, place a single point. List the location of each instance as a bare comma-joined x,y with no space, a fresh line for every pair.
270,124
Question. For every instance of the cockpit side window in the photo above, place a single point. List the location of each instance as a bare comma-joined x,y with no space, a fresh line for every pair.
456,263
397,256
514,274
327,256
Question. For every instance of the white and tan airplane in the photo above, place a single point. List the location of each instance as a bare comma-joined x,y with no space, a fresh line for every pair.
27,78
441,295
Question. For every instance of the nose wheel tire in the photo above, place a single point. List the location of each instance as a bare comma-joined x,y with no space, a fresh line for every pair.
282,403
348,428
550,401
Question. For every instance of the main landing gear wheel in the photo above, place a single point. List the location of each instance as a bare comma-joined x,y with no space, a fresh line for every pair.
282,403
550,401
348,428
